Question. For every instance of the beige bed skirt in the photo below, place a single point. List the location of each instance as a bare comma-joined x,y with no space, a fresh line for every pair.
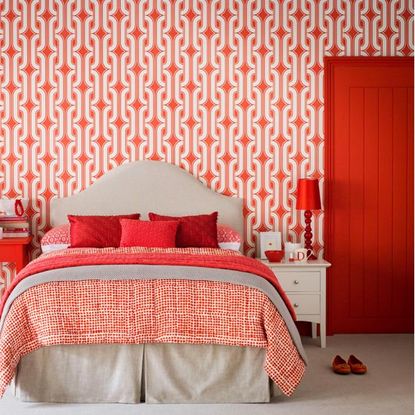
151,373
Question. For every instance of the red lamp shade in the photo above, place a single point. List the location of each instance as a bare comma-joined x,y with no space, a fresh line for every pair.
308,195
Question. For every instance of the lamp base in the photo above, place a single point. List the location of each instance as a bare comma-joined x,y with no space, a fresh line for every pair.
308,236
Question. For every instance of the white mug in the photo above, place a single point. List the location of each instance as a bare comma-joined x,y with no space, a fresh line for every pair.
300,255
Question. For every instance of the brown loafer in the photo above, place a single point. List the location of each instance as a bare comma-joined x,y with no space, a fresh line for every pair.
356,366
340,366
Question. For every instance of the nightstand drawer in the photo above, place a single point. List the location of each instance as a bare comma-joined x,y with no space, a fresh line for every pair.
305,304
299,281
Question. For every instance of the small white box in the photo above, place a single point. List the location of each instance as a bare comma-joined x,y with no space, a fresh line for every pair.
269,241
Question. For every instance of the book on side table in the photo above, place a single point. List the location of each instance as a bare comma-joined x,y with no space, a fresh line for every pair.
14,226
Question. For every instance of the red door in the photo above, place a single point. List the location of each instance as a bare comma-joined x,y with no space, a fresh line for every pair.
369,194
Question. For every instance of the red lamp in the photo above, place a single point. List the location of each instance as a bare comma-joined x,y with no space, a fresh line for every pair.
308,199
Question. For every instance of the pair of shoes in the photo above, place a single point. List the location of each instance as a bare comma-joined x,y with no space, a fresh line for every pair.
353,365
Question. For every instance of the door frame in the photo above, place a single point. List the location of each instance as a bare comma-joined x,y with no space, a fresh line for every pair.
330,63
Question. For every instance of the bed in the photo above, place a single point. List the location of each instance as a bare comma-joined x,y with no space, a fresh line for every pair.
148,325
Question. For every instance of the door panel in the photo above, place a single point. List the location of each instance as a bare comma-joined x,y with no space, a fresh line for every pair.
385,184
369,194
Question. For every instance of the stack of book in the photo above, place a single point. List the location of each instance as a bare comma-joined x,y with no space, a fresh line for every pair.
15,226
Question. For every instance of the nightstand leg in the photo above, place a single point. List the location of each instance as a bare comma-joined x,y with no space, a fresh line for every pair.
323,334
313,330
20,261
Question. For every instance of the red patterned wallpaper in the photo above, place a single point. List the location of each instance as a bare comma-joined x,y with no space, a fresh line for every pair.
231,91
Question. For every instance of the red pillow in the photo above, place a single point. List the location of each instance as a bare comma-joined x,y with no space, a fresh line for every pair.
148,234
194,231
97,231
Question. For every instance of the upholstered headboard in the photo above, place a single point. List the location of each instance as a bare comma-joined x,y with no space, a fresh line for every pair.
145,186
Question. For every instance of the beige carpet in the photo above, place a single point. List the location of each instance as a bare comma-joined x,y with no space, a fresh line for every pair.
386,389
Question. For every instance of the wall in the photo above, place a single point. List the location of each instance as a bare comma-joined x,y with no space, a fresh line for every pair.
230,91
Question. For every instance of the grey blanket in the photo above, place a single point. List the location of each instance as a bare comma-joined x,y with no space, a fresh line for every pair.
150,272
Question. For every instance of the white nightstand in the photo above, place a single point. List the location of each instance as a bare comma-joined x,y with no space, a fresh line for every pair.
305,285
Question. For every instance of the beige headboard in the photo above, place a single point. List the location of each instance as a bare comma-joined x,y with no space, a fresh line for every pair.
145,186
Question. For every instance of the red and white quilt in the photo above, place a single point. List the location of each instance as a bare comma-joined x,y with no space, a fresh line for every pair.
116,302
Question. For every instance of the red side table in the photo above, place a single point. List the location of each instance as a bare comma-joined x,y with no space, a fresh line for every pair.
15,250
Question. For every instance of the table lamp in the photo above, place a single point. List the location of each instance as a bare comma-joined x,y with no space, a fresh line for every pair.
308,199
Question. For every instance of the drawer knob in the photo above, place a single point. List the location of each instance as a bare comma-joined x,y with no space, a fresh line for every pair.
296,282
295,305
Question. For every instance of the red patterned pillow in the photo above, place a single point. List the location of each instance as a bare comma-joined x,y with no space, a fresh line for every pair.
97,231
228,238
56,238
194,231
148,234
